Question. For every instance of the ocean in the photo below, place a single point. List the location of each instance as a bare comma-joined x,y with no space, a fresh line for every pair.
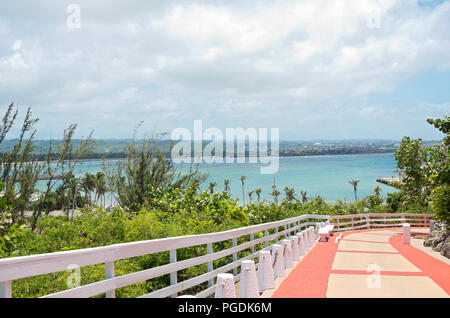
327,175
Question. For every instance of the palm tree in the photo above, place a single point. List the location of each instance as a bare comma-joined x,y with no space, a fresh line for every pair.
88,185
258,194
304,197
377,191
211,186
250,193
226,183
354,182
61,195
275,193
100,186
290,194
243,191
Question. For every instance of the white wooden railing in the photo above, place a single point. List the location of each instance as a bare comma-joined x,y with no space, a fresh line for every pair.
33,265
378,220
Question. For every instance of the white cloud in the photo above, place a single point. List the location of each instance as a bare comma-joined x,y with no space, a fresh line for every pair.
290,64
15,61
212,53
17,45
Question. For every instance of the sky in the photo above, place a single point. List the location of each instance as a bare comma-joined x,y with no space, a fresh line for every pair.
315,69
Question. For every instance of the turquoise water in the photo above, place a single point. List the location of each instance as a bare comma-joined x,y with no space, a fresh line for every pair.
324,175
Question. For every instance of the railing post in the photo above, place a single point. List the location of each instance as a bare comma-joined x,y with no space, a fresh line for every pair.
295,250
266,278
209,250
5,289
248,286
225,286
276,238
266,243
278,261
252,237
406,233
110,273
367,222
316,230
311,236
285,228
300,243
288,259
173,276
234,256
308,238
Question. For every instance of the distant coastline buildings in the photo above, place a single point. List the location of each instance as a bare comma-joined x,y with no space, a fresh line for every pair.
336,148
116,148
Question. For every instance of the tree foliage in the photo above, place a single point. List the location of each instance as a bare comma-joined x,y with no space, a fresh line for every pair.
145,166
426,170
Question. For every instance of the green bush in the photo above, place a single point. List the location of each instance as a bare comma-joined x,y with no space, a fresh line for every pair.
395,200
441,203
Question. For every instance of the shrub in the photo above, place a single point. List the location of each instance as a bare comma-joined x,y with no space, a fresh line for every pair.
395,200
441,203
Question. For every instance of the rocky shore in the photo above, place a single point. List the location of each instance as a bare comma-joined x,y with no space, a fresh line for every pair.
439,239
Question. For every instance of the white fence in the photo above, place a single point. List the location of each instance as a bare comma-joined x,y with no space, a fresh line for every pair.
33,265
378,220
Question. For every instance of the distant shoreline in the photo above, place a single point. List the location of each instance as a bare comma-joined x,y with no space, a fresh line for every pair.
279,156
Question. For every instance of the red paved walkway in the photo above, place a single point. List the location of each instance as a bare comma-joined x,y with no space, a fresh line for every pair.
310,278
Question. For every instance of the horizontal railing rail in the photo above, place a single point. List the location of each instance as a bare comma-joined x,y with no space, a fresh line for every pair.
33,265
378,220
